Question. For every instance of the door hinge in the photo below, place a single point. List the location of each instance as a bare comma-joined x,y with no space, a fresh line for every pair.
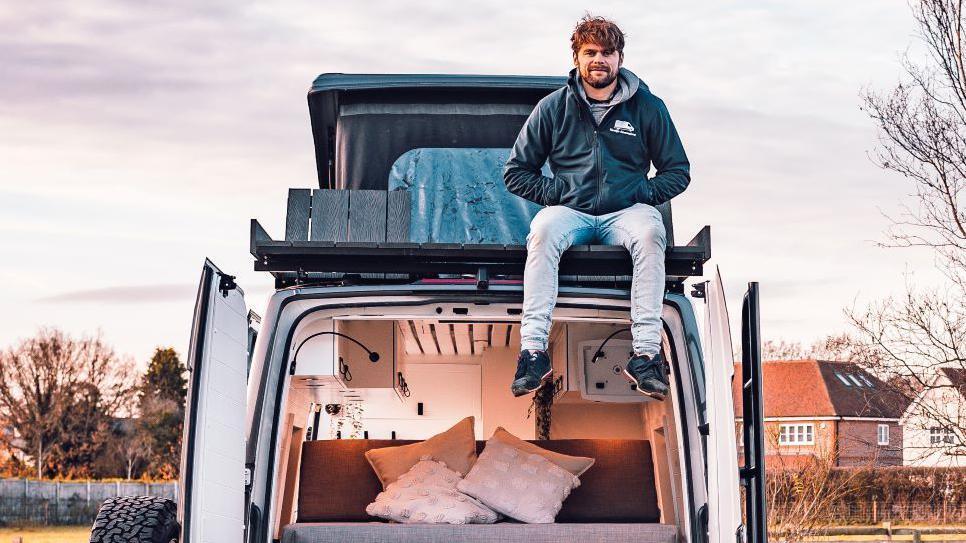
747,473
248,476
226,283
698,289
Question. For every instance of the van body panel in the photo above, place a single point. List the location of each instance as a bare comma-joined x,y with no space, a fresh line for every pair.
722,458
402,301
688,393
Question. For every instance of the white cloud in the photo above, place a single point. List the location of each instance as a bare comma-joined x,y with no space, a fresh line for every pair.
139,138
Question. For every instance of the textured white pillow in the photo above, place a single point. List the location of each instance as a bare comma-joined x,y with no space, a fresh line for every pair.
521,485
427,494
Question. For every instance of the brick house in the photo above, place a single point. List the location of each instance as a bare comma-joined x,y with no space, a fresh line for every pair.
822,409
934,421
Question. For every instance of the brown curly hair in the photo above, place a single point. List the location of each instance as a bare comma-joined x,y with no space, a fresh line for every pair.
598,30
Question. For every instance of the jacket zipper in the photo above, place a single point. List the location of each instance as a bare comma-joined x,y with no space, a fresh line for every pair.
599,168
595,145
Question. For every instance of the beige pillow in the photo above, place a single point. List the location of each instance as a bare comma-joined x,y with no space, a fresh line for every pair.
456,447
427,494
574,464
521,485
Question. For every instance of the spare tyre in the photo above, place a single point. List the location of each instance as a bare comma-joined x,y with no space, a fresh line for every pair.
136,519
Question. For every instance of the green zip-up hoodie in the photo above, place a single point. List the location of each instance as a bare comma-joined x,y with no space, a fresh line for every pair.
603,168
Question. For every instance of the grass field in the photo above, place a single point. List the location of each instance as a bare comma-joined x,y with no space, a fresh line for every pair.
951,538
48,534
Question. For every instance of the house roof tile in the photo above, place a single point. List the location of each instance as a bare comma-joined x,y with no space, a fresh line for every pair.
820,388
956,376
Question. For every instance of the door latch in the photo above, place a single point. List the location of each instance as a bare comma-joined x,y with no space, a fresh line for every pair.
226,283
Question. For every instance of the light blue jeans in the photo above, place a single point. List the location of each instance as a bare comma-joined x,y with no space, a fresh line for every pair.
638,228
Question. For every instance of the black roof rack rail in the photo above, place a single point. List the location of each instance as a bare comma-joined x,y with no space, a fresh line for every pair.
293,261
365,234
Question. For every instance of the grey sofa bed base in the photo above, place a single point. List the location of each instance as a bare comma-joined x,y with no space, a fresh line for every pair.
502,532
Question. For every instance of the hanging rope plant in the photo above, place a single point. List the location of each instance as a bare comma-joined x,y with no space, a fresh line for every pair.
542,405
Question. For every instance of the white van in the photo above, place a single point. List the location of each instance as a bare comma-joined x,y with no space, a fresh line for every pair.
397,315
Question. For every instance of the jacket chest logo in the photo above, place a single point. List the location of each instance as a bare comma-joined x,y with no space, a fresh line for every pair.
623,127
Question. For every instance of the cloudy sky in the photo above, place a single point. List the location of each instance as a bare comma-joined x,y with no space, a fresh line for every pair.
138,138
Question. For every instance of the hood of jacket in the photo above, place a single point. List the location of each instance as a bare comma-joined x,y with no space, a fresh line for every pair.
629,83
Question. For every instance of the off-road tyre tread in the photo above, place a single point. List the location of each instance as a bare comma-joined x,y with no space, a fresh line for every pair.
136,519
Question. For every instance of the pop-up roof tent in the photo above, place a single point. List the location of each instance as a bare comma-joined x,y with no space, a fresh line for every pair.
363,123
435,146
442,138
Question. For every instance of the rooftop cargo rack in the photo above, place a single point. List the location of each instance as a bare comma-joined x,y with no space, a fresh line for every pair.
335,234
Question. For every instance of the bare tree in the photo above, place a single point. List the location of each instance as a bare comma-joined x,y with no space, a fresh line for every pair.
782,350
917,340
803,492
922,126
841,348
56,393
133,450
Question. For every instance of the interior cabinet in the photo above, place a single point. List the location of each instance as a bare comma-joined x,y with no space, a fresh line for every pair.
354,367
340,353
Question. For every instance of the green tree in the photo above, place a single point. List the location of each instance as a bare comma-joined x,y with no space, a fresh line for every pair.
161,402
165,376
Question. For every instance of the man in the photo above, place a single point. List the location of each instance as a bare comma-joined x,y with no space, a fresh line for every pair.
600,134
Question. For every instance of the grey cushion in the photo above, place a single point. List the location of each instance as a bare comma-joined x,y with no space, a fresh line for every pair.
503,532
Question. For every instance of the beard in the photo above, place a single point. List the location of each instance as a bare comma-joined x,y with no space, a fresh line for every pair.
599,82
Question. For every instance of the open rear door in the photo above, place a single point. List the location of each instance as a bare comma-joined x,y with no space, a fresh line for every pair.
212,490
724,508
753,431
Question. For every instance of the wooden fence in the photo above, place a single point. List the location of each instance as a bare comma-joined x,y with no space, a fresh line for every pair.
939,512
34,502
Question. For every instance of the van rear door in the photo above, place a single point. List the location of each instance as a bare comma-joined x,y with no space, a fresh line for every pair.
724,509
724,475
212,490
753,423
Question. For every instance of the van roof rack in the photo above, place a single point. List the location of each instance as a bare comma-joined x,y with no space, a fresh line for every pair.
372,239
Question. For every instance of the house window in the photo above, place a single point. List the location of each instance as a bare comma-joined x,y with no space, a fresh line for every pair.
796,434
941,435
883,434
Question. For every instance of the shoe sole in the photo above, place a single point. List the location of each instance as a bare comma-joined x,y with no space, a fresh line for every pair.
656,395
543,381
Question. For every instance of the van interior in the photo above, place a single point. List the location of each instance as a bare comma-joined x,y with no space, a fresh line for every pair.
391,377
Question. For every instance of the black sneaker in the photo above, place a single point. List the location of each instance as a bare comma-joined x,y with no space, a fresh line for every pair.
533,368
649,375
